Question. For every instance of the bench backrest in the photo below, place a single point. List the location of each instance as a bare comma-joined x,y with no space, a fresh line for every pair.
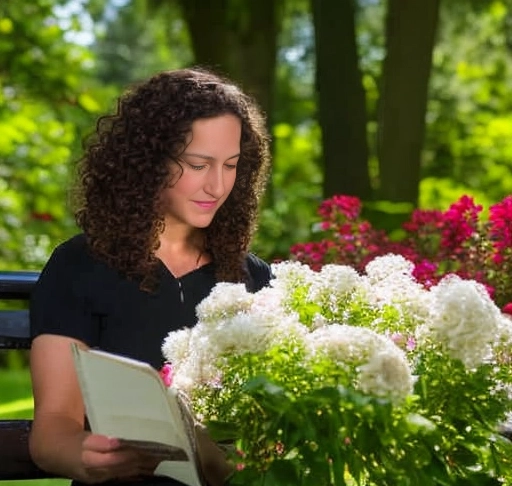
15,462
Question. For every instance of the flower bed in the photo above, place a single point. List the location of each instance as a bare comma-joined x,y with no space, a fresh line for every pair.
336,377
459,240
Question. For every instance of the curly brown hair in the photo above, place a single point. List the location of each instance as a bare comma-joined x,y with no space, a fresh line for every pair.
125,167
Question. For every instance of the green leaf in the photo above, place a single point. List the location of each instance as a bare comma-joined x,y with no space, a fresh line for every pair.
88,103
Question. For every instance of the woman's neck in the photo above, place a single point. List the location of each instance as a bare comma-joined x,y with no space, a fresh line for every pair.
182,254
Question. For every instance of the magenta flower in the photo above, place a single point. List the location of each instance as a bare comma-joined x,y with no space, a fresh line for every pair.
460,223
347,206
507,309
454,241
166,374
500,230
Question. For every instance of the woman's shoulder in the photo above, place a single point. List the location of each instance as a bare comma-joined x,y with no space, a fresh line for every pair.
259,271
71,251
72,269
72,257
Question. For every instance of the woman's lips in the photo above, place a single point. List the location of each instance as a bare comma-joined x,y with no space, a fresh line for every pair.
206,204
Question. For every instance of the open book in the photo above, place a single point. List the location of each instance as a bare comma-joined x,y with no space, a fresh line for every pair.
127,399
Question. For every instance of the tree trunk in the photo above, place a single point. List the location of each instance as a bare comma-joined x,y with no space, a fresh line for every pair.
341,100
238,39
410,35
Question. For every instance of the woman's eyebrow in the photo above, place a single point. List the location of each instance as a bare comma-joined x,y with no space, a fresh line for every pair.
208,157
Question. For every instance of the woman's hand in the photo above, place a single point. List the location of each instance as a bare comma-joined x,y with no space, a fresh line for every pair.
105,458
58,442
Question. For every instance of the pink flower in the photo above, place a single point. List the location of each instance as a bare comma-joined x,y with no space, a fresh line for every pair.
411,344
507,309
405,342
166,374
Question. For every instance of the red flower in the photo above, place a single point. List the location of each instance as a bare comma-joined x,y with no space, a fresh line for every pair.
42,216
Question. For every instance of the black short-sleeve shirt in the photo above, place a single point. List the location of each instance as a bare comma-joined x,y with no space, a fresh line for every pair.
83,298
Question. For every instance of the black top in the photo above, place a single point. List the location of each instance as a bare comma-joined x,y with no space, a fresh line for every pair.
83,298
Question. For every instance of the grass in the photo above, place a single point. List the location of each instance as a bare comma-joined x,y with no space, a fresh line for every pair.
16,397
16,402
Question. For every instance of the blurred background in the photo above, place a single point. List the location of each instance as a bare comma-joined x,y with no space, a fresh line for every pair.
403,104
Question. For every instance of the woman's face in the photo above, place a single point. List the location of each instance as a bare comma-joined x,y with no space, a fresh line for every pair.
208,172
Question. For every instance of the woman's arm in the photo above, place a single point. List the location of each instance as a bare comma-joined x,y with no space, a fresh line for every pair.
58,442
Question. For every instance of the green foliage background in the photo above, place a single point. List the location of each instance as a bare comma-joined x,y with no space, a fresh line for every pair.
54,85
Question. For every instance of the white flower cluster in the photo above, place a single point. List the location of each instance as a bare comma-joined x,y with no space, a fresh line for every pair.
389,282
231,320
463,319
457,314
226,300
388,267
382,368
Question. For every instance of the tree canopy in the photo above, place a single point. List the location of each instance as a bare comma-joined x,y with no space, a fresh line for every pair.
398,103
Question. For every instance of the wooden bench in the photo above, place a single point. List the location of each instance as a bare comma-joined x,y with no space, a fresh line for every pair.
15,461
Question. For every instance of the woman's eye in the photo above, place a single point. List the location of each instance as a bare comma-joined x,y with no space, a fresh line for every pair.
230,166
196,167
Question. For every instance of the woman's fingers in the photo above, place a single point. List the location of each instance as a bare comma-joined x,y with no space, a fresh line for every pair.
100,443
104,458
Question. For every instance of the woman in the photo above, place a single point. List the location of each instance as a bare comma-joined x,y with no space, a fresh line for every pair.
167,199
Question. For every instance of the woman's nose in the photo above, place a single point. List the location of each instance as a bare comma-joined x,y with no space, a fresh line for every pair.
215,183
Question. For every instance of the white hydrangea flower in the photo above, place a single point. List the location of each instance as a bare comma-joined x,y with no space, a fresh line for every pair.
252,327
402,289
225,300
319,321
383,367
389,282
387,374
334,283
502,347
505,330
464,319
176,345
254,330
290,275
388,266
341,343
197,367
186,377
268,300
240,334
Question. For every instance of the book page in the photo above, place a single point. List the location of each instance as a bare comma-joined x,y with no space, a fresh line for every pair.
126,399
